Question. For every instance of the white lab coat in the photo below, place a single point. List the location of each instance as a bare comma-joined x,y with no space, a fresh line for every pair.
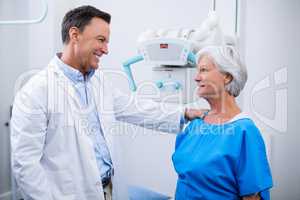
52,156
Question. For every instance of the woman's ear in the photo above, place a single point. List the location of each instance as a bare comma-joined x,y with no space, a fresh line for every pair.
228,78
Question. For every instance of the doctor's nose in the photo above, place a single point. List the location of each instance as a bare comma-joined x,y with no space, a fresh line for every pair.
104,49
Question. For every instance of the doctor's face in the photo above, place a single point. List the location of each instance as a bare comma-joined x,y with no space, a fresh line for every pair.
91,44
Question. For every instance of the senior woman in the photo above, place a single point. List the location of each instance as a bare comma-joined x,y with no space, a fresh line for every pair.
221,156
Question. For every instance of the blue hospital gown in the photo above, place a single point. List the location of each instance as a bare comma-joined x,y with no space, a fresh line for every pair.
221,162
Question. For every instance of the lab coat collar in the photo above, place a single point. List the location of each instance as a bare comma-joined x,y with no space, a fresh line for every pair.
73,74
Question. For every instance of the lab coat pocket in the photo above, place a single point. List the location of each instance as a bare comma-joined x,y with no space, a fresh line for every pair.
63,182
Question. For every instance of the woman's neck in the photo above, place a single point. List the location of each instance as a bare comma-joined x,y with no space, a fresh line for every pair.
223,108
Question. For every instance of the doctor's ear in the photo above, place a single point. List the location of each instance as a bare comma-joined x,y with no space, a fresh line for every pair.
74,34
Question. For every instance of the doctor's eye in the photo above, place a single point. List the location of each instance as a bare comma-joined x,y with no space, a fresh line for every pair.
101,39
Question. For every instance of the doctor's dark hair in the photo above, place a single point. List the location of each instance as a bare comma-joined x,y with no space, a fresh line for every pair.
80,17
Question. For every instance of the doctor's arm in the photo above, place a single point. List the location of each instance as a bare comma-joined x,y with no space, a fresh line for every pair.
152,115
28,132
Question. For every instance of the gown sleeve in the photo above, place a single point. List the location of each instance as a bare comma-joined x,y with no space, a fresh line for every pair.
253,171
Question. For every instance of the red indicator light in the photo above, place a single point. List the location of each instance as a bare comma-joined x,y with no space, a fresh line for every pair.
164,46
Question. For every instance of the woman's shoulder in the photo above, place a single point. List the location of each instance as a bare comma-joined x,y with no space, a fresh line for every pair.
246,125
242,123
243,119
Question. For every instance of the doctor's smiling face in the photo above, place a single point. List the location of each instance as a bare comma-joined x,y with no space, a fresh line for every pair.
90,44
85,34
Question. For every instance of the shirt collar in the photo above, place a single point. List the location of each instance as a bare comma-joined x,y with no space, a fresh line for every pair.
73,74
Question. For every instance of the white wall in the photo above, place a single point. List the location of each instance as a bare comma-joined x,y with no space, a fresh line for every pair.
13,61
271,41
45,37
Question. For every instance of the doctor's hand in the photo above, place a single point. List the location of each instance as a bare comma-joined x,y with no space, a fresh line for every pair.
191,113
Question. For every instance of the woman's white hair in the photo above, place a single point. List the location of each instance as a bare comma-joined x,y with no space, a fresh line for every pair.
227,60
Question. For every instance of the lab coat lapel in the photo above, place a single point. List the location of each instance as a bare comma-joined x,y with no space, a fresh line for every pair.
84,143
104,103
100,98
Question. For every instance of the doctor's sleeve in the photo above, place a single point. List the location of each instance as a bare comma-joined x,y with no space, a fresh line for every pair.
147,113
253,171
28,132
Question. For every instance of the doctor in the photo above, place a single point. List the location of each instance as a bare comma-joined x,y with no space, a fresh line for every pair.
63,123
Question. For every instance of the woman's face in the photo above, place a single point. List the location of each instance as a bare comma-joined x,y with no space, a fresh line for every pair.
210,81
